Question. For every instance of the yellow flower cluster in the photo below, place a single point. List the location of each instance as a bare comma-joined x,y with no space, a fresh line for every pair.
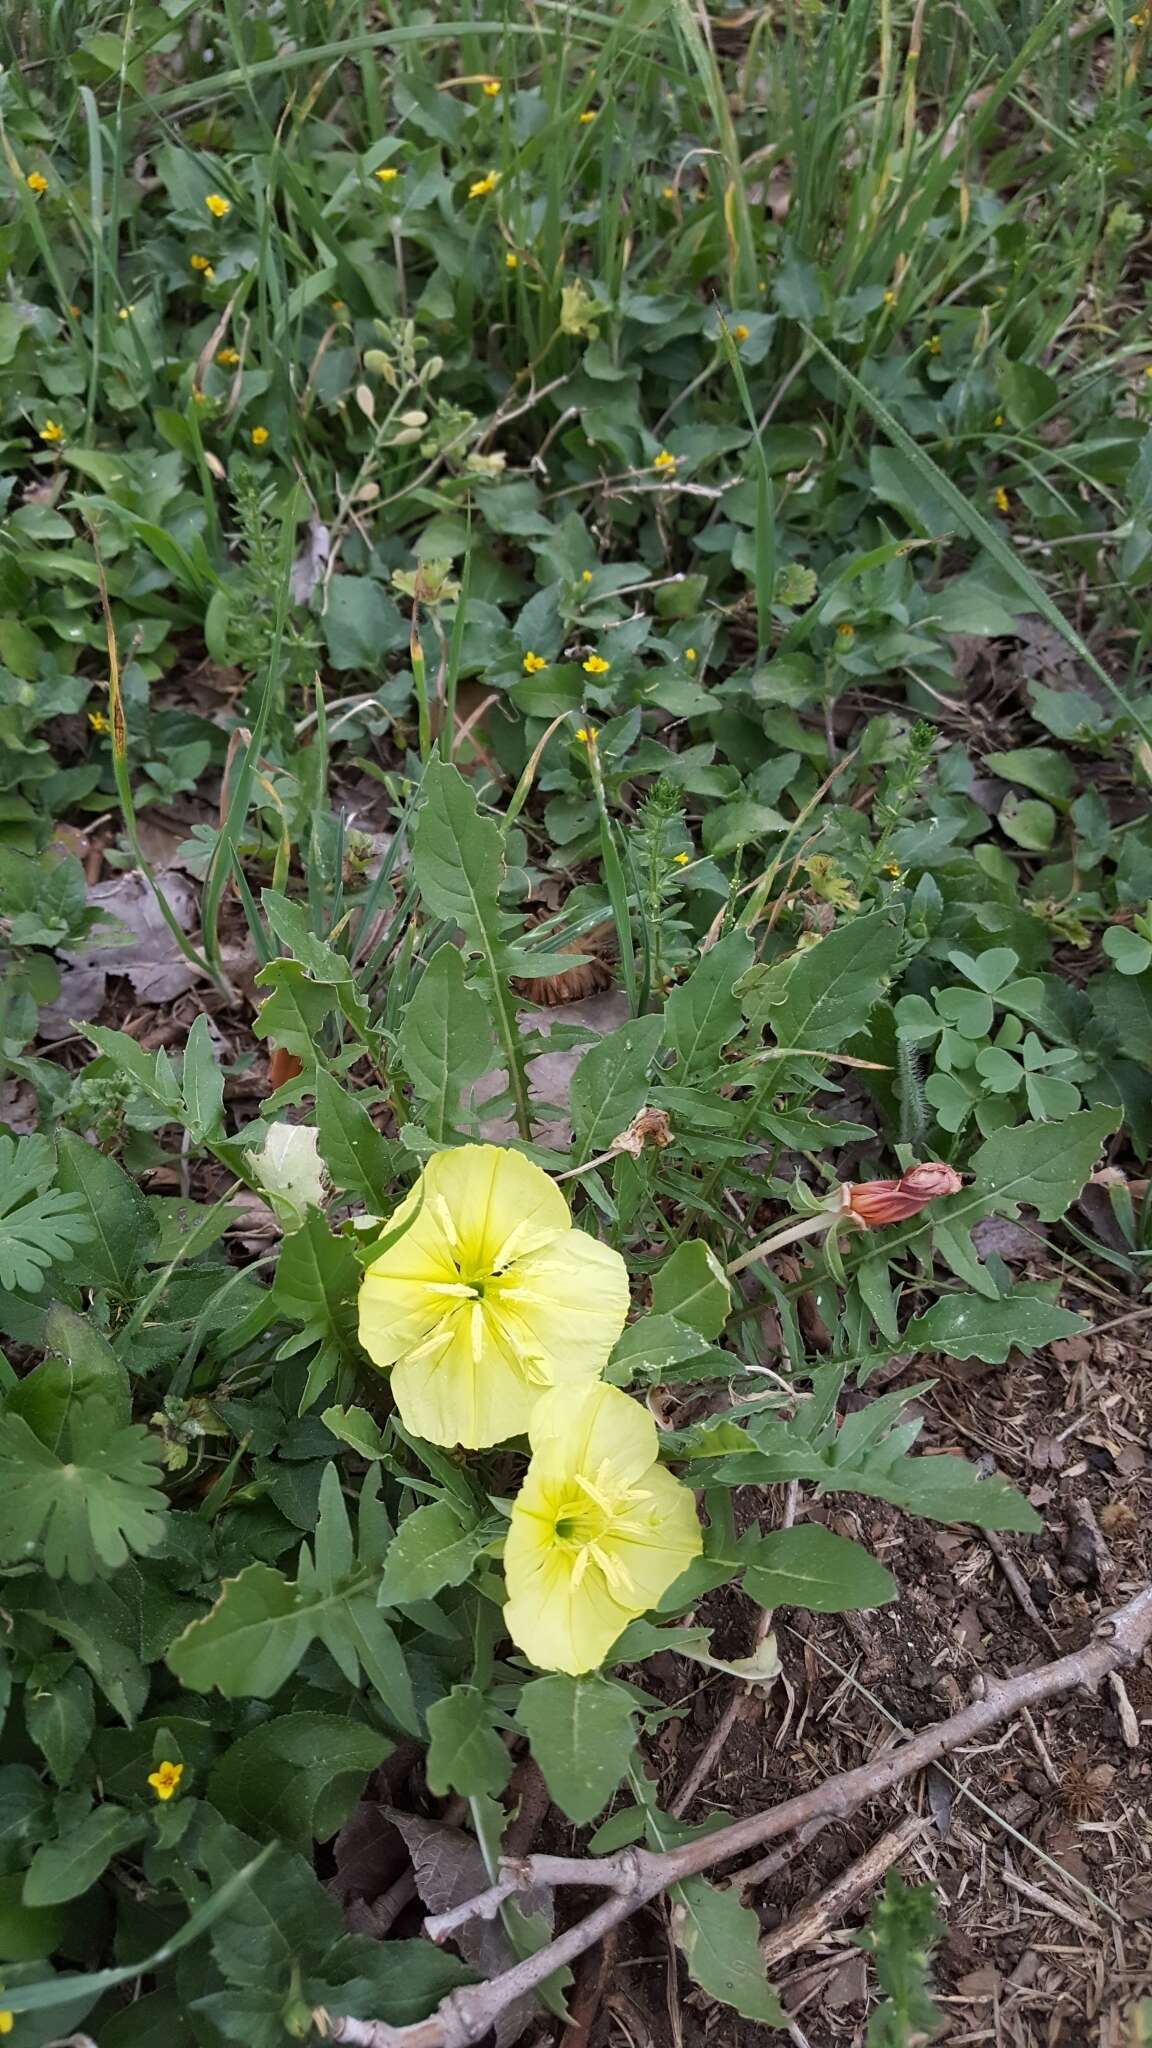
496,1317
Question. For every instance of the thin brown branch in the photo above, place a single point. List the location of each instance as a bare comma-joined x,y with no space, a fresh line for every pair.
635,1876
817,1919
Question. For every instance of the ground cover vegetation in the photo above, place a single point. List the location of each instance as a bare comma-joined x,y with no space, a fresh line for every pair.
576,941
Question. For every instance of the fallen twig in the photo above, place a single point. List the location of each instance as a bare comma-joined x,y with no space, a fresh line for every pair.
634,1876
813,1921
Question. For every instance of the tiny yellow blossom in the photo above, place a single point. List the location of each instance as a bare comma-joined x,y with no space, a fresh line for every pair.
259,436
487,1298
588,115
125,312
894,869
933,344
664,460
338,305
999,420
846,631
98,721
492,88
1148,369
227,357
217,205
595,666
51,431
533,663
386,173
199,397
511,260
667,191
586,574
889,298
1001,499
199,263
480,187
681,859
740,333
7,2021
36,182
587,734
689,654
165,1779
598,1531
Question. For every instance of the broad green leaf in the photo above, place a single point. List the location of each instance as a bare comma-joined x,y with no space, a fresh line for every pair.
1123,1004
1042,769
810,1567
1044,1165
975,1326
702,1014
62,1870
88,1513
458,856
202,1084
121,1227
39,1225
27,1933
249,1643
465,1754
434,1548
360,1160
719,1939
295,1011
445,1040
60,1718
821,998
610,1085
316,1284
361,624
582,1737
356,1427
298,1776
692,1287
1028,821
81,1382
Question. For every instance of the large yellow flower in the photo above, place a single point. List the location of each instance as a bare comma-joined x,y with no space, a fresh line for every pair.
599,1529
488,1299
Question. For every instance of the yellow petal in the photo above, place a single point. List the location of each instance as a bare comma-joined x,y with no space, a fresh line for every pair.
559,1625
452,1397
567,1305
667,1538
600,1426
490,1193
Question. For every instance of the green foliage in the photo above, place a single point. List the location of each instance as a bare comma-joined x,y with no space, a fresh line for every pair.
902,1931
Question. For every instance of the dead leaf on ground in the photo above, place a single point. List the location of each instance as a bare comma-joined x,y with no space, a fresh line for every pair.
147,953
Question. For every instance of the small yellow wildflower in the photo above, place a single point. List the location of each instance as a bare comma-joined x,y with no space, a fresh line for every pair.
1148,369
51,431
933,344
889,298
165,1779
199,263
533,663
492,88
893,868
587,116
740,333
664,460
480,187
587,734
689,654
338,305
999,420
125,312
259,436
386,173
7,2021
227,357
1001,499
488,1298
98,721
846,631
199,397
586,574
217,205
681,859
598,1531
595,666
511,260
36,182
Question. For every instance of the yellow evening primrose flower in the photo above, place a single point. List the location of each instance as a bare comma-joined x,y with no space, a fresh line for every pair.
36,182
480,187
259,436
51,431
665,460
533,663
98,721
488,1299
165,1779
599,1530
595,666
217,205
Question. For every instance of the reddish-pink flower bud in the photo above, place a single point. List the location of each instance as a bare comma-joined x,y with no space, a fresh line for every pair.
873,1202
